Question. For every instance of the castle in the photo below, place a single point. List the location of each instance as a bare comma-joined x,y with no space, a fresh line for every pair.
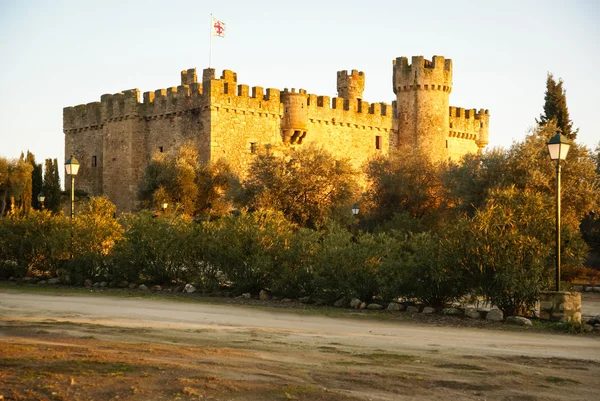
114,139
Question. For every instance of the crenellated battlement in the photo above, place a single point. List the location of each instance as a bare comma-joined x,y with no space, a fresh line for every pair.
422,74
350,85
469,124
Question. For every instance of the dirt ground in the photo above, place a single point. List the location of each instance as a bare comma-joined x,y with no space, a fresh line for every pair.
56,346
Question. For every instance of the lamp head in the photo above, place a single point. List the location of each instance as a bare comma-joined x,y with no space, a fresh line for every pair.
558,146
72,166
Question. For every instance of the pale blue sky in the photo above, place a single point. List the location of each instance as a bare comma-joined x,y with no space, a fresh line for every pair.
63,53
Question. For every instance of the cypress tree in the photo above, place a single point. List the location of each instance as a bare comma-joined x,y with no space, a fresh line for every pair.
555,108
51,186
25,198
36,180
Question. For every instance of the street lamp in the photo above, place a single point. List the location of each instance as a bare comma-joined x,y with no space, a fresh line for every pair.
41,197
164,206
558,147
72,168
355,209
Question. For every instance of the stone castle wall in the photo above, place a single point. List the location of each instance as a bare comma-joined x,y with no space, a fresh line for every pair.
114,139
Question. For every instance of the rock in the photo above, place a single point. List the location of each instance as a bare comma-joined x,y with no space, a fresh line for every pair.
88,283
374,307
287,300
113,284
589,289
472,313
429,310
395,306
274,298
339,303
495,315
246,295
103,284
596,289
42,282
28,279
54,281
452,312
264,295
132,286
96,285
143,287
123,284
594,321
519,321
156,288
355,303
596,329
578,288
189,288
11,278
412,309
363,305
303,300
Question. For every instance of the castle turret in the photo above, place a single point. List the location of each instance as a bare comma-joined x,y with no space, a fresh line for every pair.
295,116
484,123
350,86
422,90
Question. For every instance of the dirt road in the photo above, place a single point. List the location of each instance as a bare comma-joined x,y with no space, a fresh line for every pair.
97,347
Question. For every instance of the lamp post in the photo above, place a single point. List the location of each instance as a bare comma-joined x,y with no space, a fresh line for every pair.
72,168
355,209
164,207
41,197
558,147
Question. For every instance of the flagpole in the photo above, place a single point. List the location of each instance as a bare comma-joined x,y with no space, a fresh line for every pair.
210,28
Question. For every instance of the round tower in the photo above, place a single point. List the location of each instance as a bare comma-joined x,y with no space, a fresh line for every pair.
422,90
350,86
295,116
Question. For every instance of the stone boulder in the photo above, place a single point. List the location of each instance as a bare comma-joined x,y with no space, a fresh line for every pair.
429,310
355,303
123,284
339,303
395,306
42,282
519,321
132,286
189,288
102,284
246,295
88,283
363,305
304,300
374,307
472,313
156,288
495,315
143,287
53,281
412,309
263,295
286,300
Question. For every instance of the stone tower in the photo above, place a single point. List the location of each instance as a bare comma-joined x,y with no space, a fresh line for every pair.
350,86
295,116
422,90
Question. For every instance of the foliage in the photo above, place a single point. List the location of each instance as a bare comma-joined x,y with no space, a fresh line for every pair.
185,185
404,182
38,242
245,248
308,185
51,186
506,248
36,180
346,266
154,249
420,267
95,232
555,108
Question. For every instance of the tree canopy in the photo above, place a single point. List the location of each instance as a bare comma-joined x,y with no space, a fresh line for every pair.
555,108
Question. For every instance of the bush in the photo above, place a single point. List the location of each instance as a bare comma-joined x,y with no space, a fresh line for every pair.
346,266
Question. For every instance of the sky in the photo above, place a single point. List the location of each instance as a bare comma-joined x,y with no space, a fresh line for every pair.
55,54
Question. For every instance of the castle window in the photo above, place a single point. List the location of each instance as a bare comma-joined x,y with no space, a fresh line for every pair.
94,161
160,149
378,142
446,144
253,147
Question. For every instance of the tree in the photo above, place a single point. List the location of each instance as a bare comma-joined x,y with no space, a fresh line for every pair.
19,186
308,185
405,182
4,184
51,186
555,108
36,180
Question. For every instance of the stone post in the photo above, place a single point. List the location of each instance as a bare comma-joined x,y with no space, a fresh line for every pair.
560,306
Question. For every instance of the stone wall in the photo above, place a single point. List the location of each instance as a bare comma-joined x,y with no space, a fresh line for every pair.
560,306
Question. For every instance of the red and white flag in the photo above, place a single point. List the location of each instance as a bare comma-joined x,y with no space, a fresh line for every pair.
218,28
